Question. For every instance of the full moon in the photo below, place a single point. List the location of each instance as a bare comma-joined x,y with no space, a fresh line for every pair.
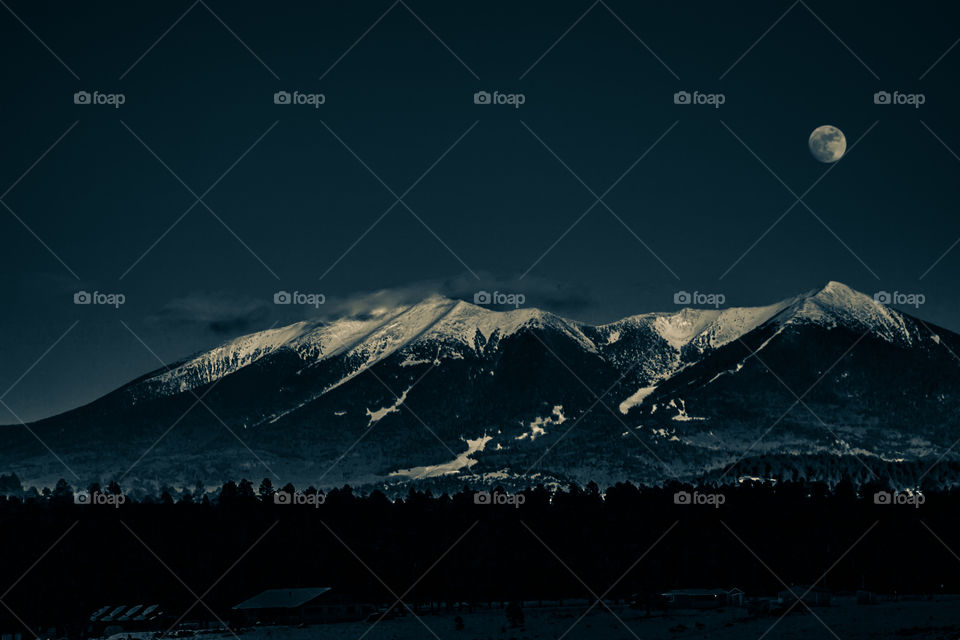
827,143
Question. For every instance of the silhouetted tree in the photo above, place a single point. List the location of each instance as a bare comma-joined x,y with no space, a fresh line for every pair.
228,493
10,485
63,492
266,491
245,493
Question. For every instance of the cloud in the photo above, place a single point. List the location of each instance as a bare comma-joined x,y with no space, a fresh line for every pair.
226,314
542,293
219,313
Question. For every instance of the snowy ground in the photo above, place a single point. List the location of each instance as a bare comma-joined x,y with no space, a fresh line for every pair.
912,619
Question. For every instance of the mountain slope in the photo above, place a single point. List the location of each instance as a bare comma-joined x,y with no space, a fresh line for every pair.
446,389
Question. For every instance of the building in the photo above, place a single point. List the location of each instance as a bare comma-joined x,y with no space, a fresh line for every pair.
111,619
735,597
300,606
811,596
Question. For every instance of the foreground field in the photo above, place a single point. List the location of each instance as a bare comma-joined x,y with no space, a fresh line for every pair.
913,619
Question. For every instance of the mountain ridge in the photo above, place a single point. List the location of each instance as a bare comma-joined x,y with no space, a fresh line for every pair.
308,337
454,389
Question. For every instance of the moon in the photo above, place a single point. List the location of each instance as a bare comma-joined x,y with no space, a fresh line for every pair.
827,143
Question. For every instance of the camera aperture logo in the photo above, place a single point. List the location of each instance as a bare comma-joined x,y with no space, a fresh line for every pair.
485,298
108,299
310,99
711,99
297,297
898,297
715,300
699,499
499,498
96,98
909,99
910,498
99,499
299,498
512,99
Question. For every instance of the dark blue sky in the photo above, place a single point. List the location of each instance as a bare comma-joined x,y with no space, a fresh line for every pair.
202,95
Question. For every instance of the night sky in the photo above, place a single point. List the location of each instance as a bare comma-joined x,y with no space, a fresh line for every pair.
99,198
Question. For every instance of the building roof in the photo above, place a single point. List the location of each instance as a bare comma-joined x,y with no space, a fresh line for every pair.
124,613
99,612
112,616
132,611
149,613
282,598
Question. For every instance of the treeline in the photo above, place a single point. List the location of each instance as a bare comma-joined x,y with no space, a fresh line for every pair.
466,547
929,473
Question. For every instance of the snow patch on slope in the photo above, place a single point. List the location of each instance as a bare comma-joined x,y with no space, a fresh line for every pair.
463,461
636,399
538,426
380,414
682,415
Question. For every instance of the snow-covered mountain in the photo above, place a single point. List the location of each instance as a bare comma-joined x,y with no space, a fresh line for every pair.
447,324
448,389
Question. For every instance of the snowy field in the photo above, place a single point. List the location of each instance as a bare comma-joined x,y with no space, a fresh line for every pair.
911,619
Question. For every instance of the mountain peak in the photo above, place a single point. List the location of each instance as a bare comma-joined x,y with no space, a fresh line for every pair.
836,285
837,304
839,292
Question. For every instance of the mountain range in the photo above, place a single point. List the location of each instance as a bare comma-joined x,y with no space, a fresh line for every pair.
443,391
